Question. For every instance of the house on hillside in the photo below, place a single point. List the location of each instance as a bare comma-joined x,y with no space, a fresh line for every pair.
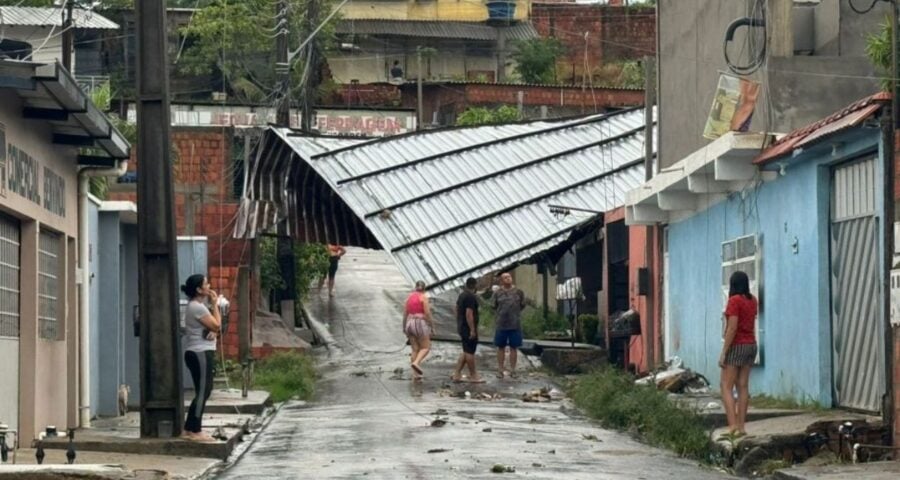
462,40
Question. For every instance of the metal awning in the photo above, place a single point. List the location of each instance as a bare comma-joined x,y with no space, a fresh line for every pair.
50,93
723,166
453,203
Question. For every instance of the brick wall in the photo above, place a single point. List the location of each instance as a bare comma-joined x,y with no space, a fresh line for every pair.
451,99
369,94
205,206
614,33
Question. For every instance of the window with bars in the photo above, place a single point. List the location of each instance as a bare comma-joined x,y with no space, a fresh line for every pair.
49,283
9,277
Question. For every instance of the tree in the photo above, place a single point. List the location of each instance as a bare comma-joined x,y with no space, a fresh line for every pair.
536,59
484,116
879,50
236,39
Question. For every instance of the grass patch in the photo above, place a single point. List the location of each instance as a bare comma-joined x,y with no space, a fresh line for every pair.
284,375
611,397
784,403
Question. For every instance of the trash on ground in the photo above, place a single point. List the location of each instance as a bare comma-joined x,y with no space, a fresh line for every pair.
498,468
439,412
488,430
591,437
673,378
440,450
438,422
537,395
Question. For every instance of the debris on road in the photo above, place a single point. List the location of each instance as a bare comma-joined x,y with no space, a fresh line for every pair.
440,450
674,378
439,412
438,422
537,395
498,468
488,430
591,437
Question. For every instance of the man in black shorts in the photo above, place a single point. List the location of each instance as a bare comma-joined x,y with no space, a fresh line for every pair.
467,326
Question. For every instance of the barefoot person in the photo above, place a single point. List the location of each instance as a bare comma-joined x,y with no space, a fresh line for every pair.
738,351
467,326
508,302
201,327
418,326
335,252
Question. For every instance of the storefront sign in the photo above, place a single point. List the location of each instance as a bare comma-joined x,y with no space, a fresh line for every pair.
327,121
364,123
20,173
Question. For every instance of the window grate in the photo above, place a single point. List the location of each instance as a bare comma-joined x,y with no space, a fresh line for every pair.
49,248
9,277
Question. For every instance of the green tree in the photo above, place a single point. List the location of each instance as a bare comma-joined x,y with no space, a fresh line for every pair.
485,116
878,49
236,39
536,59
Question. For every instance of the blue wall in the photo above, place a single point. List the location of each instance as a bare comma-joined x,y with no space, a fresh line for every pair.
795,318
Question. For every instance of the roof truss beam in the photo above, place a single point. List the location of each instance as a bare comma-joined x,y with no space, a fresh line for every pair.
45,114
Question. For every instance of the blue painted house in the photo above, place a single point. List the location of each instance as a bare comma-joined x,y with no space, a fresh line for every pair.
804,218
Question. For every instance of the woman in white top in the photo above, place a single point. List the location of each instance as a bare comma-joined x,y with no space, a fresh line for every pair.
201,326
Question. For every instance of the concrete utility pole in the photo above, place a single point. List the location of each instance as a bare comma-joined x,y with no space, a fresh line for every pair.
311,81
162,404
68,36
285,248
892,337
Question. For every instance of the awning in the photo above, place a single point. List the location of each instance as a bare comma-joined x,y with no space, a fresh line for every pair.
723,166
453,203
435,29
50,93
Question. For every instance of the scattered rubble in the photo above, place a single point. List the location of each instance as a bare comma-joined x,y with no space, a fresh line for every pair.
591,437
440,450
538,395
498,468
438,422
676,379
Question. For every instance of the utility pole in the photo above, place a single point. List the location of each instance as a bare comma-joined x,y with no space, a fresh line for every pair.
162,404
892,336
285,247
68,36
311,80
650,241
419,88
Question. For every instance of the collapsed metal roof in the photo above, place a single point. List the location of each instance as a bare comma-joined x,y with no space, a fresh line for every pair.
52,17
448,204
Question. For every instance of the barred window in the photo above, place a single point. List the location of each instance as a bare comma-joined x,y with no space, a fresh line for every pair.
9,277
49,272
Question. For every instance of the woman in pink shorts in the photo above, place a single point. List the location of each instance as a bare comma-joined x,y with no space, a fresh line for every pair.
418,327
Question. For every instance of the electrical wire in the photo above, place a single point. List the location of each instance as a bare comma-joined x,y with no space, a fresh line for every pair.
863,11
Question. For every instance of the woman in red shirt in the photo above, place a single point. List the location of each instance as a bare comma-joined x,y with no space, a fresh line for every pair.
418,327
738,351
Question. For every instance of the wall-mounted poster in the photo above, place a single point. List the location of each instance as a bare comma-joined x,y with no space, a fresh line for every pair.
732,107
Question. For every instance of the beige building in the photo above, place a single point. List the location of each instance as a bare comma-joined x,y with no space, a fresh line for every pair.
46,125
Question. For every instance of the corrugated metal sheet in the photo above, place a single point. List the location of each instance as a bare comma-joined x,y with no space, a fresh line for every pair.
848,117
857,332
47,17
434,29
454,203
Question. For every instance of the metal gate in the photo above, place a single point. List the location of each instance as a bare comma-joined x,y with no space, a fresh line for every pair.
857,331
9,321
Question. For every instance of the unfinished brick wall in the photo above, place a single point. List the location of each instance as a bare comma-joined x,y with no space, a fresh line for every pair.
205,205
615,33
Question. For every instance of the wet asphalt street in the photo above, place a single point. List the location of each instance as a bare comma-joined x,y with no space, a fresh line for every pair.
370,421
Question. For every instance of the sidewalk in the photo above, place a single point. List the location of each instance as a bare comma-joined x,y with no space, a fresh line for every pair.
112,447
867,471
